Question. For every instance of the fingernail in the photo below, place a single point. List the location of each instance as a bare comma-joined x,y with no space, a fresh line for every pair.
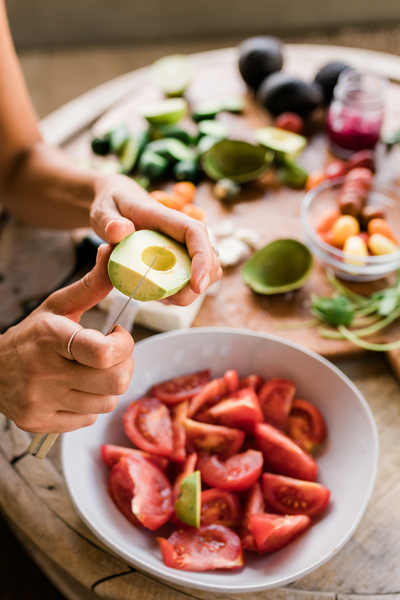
100,251
204,283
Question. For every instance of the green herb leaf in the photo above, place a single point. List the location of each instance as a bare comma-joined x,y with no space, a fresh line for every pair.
334,311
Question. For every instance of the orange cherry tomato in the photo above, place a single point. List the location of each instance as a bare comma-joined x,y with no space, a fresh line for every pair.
186,189
315,179
166,199
193,211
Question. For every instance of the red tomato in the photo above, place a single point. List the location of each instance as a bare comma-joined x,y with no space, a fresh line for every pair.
241,410
253,381
203,549
208,396
276,396
180,388
148,425
188,469
335,169
111,455
236,474
253,504
290,496
213,439
141,491
231,379
306,425
272,532
363,158
220,507
178,417
282,455
290,122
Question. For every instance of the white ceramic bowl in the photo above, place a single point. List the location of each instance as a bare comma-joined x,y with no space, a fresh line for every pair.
347,465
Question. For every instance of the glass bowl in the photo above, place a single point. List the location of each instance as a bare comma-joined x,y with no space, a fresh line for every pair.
323,198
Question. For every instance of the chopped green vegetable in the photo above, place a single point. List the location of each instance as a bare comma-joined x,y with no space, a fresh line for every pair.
335,311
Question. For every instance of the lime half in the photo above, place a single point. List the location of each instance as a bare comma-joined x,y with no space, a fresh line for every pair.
188,505
172,74
165,112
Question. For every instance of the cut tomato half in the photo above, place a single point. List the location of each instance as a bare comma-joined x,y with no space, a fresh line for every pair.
241,410
180,388
253,505
178,417
289,496
272,532
211,393
148,425
306,425
276,397
236,474
213,439
111,455
253,381
141,491
203,549
220,507
282,455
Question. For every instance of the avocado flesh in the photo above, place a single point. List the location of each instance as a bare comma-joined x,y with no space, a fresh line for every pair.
131,258
188,505
285,144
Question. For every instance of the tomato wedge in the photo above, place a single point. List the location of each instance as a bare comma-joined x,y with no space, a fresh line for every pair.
241,410
236,474
220,507
253,381
276,397
180,388
148,425
141,491
203,549
178,417
282,455
111,455
306,425
214,439
211,393
231,379
272,532
188,469
289,496
253,505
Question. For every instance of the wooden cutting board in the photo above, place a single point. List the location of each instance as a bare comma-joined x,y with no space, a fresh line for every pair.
272,210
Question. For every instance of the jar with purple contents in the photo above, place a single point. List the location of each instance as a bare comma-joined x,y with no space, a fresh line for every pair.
356,113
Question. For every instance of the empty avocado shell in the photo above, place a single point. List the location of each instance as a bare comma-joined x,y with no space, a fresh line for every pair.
279,267
236,160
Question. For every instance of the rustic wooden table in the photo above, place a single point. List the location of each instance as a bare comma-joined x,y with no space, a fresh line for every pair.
33,495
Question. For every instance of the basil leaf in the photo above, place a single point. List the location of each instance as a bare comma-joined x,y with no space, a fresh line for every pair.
335,311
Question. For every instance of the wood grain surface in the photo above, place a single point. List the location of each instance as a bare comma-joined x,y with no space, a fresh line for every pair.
34,497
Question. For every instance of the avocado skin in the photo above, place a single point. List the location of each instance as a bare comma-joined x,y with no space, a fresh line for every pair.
327,77
259,57
281,93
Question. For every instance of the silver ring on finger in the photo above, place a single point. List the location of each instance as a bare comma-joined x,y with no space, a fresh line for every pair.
71,339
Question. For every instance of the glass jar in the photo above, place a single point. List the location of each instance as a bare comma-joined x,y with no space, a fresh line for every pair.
356,113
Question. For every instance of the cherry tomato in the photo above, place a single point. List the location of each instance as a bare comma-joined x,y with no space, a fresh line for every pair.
241,410
231,379
214,439
327,220
314,179
141,491
284,456
220,507
306,425
111,455
236,474
180,388
272,532
276,397
290,122
253,381
148,425
253,504
335,169
188,469
290,496
211,393
203,549
178,417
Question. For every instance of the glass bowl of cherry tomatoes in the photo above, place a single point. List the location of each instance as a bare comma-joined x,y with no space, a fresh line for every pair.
352,225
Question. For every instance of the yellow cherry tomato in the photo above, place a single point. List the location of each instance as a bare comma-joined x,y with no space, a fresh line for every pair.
343,228
380,244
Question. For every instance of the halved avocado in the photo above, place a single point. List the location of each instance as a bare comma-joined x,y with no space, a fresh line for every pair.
279,267
236,160
131,258
165,112
188,505
285,144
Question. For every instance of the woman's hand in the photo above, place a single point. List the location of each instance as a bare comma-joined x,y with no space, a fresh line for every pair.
43,388
121,205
